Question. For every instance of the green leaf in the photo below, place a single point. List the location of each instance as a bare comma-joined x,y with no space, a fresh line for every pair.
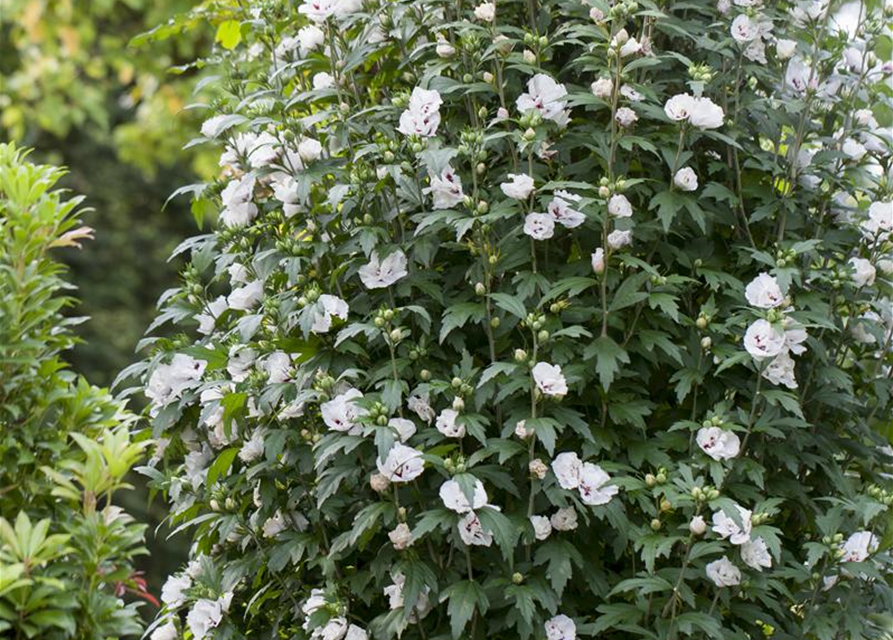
667,304
628,293
418,575
558,554
708,624
571,286
229,34
523,598
668,205
368,517
465,597
495,369
504,532
221,465
545,430
787,400
457,315
432,520
509,303
643,585
608,356
731,361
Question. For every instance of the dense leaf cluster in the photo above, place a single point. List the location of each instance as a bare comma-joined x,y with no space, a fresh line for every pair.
66,551
534,320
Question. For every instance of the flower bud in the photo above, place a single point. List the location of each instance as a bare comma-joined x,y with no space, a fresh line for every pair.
701,322
706,343
655,524
480,288
517,578
379,482
529,56
649,480
424,375
697,526
401,536
538,468
520,356
458,404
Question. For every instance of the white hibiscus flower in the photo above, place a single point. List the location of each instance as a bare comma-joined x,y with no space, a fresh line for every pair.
378,274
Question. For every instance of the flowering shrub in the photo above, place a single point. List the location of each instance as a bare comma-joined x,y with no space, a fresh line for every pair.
534,320
66,551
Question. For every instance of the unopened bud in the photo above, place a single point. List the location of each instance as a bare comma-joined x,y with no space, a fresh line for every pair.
379,482
697,526
538,468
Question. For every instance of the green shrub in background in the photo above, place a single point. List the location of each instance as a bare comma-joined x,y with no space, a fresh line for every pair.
79,95
66,550
539,319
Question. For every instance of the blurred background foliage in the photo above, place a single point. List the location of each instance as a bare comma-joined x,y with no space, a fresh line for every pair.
74,89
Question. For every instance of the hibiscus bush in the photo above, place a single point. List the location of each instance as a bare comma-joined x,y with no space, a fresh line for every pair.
66,550
544,319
